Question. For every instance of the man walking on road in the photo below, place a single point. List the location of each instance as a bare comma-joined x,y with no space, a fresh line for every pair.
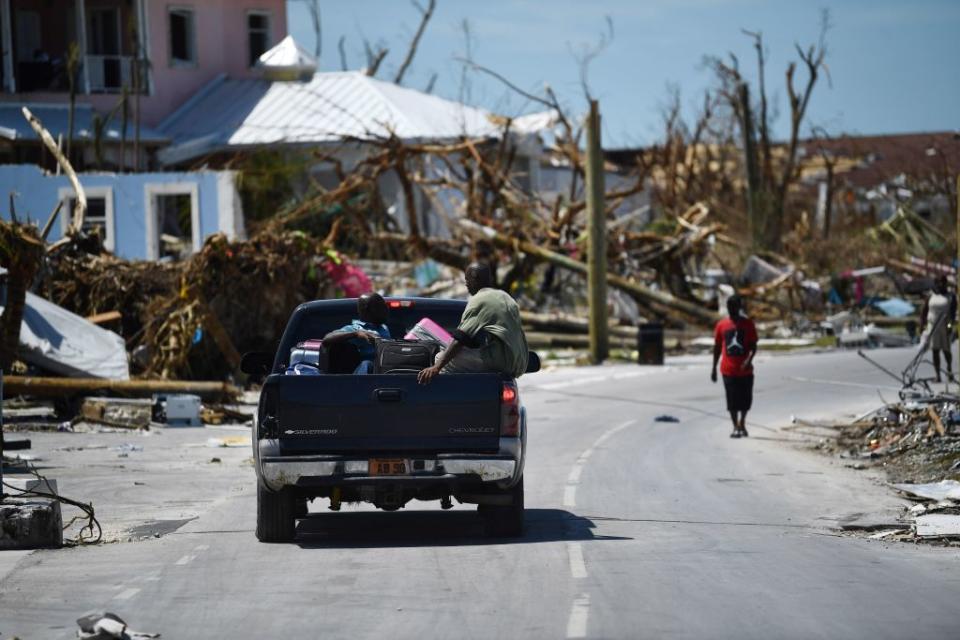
735,339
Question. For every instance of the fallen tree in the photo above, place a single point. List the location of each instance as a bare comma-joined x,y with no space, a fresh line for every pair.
64,387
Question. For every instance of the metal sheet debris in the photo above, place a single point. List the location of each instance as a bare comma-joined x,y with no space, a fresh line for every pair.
943,490
64,343
938,525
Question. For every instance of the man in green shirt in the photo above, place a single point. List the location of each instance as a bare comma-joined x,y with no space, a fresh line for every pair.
490,337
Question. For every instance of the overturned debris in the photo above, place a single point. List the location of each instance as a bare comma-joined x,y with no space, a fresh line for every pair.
97,625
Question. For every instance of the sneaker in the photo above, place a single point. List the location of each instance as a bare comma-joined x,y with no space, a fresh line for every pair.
735,434
743,432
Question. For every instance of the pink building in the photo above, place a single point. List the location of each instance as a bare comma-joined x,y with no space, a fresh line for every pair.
182,45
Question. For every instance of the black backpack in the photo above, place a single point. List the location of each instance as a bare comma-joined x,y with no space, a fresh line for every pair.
404,356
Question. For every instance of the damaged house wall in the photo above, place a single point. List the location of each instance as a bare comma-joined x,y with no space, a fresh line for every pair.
136,213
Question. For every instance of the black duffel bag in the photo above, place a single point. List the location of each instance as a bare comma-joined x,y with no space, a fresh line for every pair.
404,356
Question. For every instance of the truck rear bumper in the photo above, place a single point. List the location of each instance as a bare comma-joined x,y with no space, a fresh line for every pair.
290,471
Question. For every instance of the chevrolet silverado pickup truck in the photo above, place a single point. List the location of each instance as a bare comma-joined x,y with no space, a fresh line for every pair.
383,438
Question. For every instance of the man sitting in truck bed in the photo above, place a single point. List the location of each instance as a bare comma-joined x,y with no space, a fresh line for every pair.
490,338
364,332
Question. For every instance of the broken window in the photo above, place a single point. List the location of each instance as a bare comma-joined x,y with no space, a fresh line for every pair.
175,225
183,48
95,220
258,35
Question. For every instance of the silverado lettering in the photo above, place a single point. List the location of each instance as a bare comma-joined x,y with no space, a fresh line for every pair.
310,432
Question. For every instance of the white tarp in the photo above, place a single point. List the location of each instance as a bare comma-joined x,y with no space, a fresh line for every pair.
943,490
63,342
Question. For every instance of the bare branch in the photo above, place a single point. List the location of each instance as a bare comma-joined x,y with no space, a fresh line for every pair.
343,52
425,15
589,53
374,58
431,83
313,7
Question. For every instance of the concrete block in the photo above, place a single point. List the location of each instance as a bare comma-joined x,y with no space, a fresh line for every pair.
30,523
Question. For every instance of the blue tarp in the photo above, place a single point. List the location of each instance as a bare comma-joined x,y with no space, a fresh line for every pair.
895,307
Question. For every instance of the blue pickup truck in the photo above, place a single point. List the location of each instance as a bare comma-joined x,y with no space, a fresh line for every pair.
383,438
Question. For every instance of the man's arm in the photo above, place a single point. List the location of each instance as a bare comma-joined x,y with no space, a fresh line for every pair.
342,336
716,358
752,340
426,375
924,310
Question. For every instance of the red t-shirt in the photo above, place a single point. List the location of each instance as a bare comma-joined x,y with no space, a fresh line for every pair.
737,338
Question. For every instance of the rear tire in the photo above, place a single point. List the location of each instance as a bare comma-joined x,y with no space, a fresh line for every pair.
275,515
506,521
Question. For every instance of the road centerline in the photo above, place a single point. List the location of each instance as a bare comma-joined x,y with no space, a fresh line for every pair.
578,568
579,615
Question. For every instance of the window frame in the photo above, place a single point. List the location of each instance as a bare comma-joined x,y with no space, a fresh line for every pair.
65,194
268,32
153,189
183,63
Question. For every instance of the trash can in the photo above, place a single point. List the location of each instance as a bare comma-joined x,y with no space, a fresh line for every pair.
650,343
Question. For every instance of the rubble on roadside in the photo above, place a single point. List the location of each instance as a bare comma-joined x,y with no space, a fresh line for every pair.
915,441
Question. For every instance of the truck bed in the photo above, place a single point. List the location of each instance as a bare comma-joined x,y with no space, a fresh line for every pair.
375,414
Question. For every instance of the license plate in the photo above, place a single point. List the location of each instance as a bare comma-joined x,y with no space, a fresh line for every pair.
387,467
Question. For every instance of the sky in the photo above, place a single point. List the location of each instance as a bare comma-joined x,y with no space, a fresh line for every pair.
894,65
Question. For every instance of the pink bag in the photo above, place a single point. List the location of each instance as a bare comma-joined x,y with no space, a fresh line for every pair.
429,331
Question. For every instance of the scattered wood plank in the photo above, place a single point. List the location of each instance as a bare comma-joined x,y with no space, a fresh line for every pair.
103,318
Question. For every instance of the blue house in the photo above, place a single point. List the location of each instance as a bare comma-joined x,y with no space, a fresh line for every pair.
140,216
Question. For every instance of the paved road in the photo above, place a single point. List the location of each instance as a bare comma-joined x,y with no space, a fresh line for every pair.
636,529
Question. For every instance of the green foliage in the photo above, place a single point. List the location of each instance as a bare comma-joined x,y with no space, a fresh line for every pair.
269,181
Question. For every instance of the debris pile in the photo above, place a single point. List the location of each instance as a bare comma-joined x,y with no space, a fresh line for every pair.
915,440
181,320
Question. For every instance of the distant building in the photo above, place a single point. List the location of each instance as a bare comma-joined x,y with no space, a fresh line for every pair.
874,175
139,216
161,52
292,108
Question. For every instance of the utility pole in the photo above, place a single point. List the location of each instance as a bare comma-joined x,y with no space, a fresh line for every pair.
597,244
957,266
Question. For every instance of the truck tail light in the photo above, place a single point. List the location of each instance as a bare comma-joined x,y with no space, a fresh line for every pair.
268,423
509,410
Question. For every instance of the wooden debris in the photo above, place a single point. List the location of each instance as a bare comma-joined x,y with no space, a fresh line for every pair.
103,318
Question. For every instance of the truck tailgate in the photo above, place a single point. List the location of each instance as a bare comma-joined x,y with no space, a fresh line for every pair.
387,413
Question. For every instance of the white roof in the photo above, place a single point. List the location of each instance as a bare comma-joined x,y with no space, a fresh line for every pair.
288,54
329,107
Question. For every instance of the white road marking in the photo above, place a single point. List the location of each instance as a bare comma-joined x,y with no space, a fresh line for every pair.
577,622
582,380
570,490
578,568
127,594
201,547
186,559
572,383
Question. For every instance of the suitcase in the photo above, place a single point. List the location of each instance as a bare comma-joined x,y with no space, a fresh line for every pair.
404,356
309,352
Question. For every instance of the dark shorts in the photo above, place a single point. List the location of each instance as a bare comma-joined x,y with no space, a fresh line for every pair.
739,392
